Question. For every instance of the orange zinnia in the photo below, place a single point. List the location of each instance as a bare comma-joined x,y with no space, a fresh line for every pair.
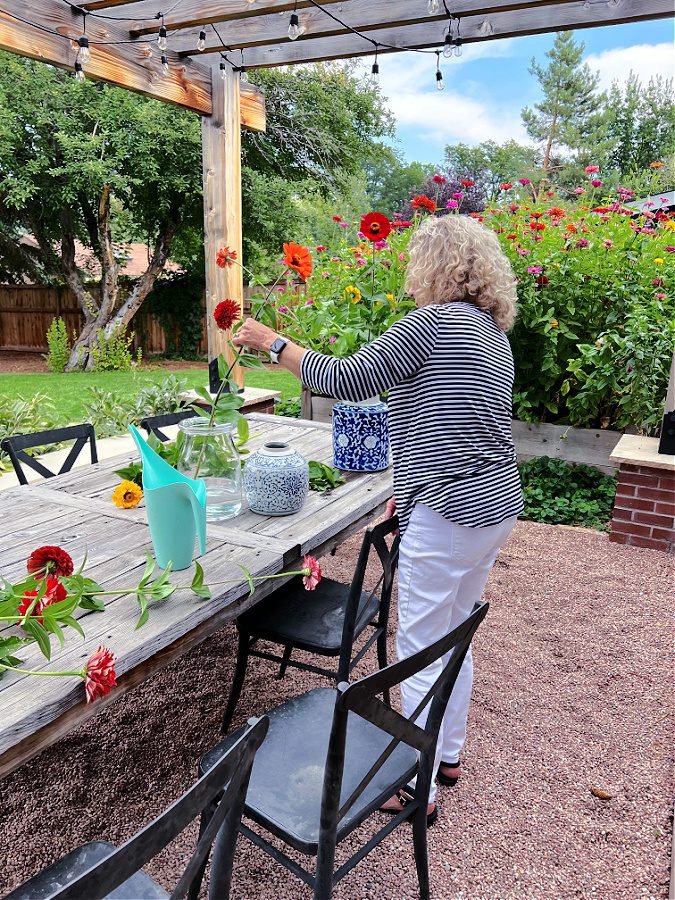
299,259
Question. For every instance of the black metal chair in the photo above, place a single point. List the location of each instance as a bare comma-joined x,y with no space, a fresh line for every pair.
331,758
325,622
16,445
154,424
100,870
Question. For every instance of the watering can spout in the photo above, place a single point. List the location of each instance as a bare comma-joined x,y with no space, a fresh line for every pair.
176,507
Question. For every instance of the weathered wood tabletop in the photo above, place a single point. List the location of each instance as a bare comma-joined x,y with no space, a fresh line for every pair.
74,511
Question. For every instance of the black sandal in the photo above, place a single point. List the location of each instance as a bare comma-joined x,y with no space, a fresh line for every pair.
404,798
446,780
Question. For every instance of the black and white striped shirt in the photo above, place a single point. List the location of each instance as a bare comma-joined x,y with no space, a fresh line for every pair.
449,372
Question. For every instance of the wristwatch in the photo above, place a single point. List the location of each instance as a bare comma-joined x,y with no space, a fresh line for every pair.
276,349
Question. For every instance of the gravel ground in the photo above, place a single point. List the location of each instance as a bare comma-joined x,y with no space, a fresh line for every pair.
573,693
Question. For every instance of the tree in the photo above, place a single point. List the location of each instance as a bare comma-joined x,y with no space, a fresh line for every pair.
490,164
569,119
465,198
390,181
641,123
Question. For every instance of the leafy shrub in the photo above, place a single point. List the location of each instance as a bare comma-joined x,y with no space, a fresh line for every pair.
23,417
113,353
110,415
561,494
157,399
291,407
59,346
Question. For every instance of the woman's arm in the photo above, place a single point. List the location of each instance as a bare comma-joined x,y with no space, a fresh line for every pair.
392,358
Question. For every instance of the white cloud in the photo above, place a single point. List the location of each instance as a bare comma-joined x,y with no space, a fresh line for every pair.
646,60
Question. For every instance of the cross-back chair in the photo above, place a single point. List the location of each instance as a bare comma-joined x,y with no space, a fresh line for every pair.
16,445
325,622
154,424
101,871
331,758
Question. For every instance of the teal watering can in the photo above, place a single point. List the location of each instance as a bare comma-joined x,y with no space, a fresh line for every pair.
176,507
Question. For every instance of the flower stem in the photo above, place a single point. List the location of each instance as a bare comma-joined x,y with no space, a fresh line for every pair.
81,672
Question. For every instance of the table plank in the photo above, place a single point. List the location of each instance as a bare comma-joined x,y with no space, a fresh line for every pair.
75,511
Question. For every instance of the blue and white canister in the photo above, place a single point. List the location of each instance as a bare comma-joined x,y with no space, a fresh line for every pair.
360,437
276,480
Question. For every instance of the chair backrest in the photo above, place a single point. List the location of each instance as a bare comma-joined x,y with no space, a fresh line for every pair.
362,699
373,539
225,784
154,424
16,445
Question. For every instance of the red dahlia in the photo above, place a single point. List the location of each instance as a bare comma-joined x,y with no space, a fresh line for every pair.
467,182
423,202
100,674
226,314
375,226
225,258
438,179
49,561
54,593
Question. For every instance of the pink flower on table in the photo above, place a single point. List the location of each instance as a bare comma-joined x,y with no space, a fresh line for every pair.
579,191
312,573
596,182
452,204
332,340
590,169
524,181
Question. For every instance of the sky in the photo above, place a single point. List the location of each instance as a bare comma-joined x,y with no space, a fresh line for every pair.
488,85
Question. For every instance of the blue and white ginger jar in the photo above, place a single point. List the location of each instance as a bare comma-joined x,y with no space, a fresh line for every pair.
360,437
276,480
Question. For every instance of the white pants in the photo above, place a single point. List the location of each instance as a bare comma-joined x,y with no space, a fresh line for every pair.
443,568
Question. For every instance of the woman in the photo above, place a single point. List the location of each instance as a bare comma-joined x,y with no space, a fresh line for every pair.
449,372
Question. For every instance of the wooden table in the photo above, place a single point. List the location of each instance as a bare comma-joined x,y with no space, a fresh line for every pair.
74,511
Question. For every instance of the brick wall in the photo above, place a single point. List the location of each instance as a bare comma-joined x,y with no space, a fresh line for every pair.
644,510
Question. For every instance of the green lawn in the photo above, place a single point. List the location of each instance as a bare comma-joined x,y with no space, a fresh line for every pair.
69,393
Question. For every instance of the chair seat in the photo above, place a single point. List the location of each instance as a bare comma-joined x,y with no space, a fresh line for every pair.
286,784
139,887
310,620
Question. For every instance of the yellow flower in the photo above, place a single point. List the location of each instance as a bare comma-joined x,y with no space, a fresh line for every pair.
352,293
390,298
378,304
127,495
659,261
554,323
669,225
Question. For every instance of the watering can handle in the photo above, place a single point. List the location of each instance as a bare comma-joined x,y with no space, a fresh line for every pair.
200,519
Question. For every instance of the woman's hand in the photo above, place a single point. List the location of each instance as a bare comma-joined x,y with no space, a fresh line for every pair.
390,511
254,334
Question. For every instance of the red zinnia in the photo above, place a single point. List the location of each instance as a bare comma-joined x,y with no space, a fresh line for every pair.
536,215
438,179
49,560
375,226
423,202
226,314
536,226
54,593
506,186
556,212
467,182
226,257
337,218
100,674
299,259
312,574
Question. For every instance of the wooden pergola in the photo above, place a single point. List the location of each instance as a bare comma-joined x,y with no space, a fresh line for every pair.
123,40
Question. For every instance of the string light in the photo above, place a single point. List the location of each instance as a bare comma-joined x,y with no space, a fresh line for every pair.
201,43
447,49
161,37
294,29
223,70
375,71
458,50
440,86
487,28
84,52
79,71
165,65
433,7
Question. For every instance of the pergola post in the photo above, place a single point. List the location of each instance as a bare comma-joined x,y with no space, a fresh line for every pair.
221,149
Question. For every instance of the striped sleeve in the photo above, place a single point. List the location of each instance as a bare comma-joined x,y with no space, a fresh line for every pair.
391,359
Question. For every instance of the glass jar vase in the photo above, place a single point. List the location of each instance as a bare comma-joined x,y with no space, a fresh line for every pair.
208,452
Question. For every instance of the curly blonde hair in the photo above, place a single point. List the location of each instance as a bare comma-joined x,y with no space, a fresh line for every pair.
456,258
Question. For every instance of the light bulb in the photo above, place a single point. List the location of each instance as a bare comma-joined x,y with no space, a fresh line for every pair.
161,37
294,30
84,51
433,6
165,65
486,28
201,43
447,49
222,70
375,74
243,74
440,86
587,4
79,71
458,49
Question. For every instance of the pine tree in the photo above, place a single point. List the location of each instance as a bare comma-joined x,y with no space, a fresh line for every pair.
569,119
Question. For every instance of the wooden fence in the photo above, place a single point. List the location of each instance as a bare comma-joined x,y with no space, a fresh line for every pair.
26,312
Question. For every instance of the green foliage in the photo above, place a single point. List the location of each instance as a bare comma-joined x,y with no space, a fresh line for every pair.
177,303
157,399
490,164
292,407
112,352
324,478
390,181
560,494
18,416
110,414
595,318
59,346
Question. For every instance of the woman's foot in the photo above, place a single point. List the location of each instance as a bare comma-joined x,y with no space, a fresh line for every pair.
448,774
396,803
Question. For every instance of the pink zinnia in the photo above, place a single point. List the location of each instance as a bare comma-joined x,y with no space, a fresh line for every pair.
607,244
332,340
591,169
283,309
401,257
100,674
458,195
596,182
669,248
524,181
579,191
309,303
660,296
452,204
524,252
312,572
534,270
344,225
320,248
